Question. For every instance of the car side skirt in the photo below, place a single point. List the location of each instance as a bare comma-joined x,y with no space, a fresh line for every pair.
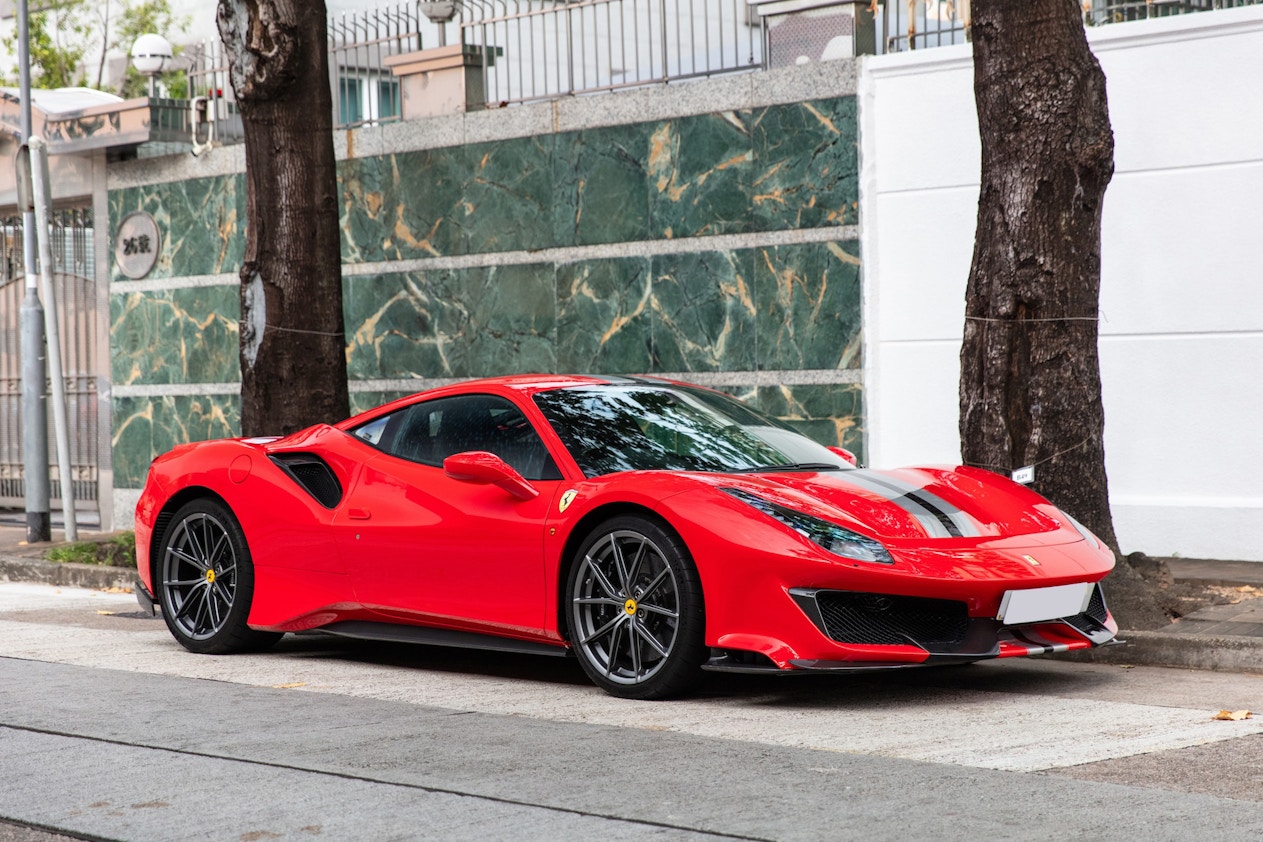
395,633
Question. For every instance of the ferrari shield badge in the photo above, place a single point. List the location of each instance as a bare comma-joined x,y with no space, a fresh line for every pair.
566,500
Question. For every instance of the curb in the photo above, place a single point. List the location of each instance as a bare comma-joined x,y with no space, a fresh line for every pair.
1222,653
65,574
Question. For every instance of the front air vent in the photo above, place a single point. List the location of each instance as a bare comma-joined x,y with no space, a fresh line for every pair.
1091,623
313,474
1096,605
886,620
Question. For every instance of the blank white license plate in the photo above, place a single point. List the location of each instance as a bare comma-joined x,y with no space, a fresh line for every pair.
1036,604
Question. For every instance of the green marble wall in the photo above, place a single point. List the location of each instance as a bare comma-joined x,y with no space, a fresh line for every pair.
734,172
202,222
781,308
146,427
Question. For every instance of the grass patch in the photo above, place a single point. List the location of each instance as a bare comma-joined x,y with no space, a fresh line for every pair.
117,550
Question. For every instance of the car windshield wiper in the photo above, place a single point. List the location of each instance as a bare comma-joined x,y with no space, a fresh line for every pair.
792,466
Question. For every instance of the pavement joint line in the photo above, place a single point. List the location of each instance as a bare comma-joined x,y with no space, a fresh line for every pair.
366,779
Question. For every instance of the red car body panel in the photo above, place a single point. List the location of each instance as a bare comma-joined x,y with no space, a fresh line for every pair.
409,544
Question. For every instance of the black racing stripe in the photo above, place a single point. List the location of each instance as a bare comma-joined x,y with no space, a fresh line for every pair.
918,502
927,501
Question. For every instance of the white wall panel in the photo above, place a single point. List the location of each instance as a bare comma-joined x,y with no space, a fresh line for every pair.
1182,291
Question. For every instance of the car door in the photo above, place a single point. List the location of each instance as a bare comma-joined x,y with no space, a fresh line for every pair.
425,547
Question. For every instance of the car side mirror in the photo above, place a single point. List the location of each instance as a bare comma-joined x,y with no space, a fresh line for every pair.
845,454
479,466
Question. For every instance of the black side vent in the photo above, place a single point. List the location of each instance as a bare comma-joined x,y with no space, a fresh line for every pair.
313,474
160,525
880,619
1092,621
1096,605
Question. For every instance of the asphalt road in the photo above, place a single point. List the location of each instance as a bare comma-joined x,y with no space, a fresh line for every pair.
109,730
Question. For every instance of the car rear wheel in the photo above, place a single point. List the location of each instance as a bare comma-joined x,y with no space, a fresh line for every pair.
206,581
634,610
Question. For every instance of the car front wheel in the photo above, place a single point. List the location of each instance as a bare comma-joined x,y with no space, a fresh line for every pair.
206,581
634,610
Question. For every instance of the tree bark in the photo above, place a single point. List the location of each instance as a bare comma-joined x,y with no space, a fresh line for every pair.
1030,391
293,344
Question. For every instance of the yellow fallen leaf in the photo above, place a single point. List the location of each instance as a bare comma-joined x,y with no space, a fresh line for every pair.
289,686
1232,715
1247,589
107,613
116,590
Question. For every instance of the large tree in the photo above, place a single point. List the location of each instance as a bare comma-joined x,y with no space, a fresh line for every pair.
293,348
1030,391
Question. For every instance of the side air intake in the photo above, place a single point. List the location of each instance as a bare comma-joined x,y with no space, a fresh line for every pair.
313,474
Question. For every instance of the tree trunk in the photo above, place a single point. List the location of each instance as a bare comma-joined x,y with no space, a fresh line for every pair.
292,347
1030,391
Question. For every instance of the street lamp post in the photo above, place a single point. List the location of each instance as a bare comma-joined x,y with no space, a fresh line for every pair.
151,54
31,328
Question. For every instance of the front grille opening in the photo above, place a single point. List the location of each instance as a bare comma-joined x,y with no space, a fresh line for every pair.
885,620
1096,605
313,474
1092,621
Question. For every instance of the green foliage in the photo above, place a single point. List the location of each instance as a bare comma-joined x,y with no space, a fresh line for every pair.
117,550
65,32
60,35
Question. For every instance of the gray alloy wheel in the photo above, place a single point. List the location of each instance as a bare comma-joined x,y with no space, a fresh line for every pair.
206,581
635,610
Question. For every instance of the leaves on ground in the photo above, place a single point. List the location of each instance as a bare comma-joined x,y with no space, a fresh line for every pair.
1233,715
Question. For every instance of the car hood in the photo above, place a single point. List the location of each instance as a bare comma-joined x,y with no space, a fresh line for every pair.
915,504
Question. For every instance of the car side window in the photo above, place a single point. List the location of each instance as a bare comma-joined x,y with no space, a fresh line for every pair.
429,432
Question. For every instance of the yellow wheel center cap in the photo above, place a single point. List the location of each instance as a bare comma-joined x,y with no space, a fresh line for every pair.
210,577
630,607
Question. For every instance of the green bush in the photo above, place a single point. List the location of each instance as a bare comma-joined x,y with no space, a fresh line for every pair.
117,550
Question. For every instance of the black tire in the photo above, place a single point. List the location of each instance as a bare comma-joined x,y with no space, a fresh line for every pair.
205,581
634,610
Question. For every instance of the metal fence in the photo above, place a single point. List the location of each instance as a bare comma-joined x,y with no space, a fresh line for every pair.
934,23
364,90
536,50
1101,12
76,305
530,49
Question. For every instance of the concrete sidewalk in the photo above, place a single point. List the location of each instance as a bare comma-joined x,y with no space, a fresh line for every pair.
1220,637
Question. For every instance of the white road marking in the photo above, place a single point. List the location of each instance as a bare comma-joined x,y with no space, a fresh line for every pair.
985,729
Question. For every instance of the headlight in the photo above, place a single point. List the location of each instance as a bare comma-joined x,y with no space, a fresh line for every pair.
1083,530
830,536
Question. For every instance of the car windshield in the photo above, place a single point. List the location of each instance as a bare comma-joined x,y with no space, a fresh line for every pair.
673,428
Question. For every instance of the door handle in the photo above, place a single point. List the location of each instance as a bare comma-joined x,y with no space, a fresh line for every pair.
358,514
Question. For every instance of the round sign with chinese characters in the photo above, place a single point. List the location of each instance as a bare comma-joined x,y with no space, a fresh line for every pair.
136,245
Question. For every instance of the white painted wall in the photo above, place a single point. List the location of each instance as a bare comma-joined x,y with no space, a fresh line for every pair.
1181,288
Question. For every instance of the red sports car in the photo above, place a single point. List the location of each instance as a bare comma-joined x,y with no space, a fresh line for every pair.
651,529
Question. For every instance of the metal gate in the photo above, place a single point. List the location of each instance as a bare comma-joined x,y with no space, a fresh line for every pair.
76,309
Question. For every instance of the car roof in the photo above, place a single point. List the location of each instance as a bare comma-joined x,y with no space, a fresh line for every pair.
532,383
526,385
